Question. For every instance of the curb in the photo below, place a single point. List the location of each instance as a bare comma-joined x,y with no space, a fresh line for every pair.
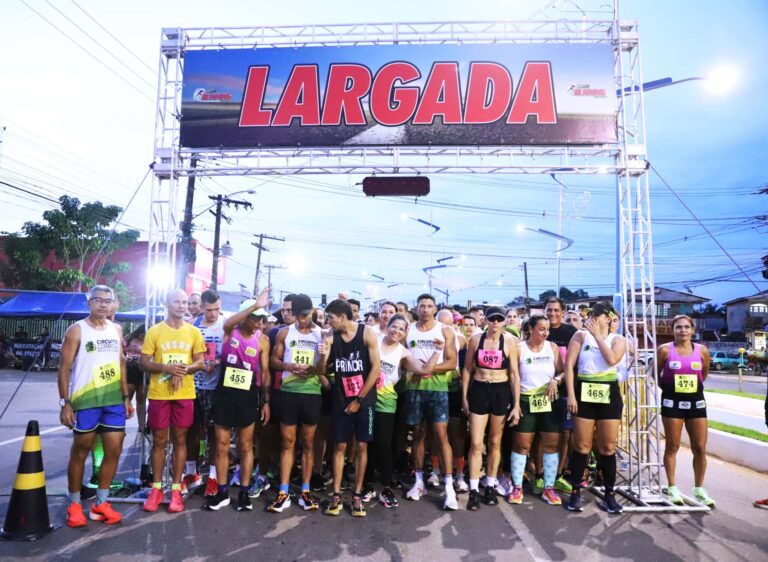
735,449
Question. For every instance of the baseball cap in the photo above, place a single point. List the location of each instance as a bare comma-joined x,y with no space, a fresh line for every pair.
301,304
248,304
494,311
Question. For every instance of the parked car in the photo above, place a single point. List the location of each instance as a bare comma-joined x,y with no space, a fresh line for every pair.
724,360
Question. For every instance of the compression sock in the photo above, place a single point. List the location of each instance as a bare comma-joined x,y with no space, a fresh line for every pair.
102,495
608,467
550,469
578,463
518,467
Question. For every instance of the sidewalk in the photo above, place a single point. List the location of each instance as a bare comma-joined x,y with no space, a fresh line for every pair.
748,413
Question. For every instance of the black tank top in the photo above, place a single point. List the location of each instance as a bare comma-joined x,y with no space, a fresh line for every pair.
491,360
351,364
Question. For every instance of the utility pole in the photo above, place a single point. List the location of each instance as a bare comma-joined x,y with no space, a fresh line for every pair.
525,276
187,254
220,199
269,269
260,246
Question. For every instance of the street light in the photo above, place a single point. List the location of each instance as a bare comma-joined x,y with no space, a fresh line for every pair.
436,228
560,239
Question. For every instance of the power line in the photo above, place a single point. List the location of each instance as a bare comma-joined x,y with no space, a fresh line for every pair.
113,37
87,52
110,53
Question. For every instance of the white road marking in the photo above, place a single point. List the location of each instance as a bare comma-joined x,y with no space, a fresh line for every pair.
16,439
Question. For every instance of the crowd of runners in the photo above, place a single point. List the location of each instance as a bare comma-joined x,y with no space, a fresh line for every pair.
485,403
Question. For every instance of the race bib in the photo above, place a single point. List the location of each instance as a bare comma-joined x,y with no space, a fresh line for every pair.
686,384
237,378
489,358
174,358
595,393
303,356
210,351
540,403
352,385
105,374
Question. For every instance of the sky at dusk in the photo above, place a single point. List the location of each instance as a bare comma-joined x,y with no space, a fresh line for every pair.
79,120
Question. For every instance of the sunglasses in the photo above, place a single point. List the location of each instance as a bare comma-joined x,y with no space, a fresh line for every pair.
495,318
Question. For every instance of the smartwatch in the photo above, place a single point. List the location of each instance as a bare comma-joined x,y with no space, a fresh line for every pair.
63,402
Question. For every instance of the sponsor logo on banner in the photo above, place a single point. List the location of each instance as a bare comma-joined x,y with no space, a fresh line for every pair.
584,90
208,96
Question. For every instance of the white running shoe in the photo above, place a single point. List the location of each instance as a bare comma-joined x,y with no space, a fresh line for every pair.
416,492
433,480
460,485
451,503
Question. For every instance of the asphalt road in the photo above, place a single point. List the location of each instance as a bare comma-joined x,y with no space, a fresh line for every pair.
415,531
730,381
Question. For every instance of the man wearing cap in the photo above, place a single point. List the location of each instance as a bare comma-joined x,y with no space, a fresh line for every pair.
211,326
300,354
242,396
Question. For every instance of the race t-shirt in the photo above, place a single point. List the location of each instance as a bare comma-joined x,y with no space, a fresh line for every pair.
95,377
386,398
213,336
240,363
422,346
169,345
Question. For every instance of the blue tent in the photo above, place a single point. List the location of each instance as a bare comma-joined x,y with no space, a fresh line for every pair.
71,306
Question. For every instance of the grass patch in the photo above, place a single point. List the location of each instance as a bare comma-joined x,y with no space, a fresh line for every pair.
736,393
749,433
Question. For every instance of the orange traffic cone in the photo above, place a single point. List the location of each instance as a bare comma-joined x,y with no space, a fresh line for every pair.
27,517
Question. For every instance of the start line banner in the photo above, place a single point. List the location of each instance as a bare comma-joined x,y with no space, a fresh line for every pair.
399,95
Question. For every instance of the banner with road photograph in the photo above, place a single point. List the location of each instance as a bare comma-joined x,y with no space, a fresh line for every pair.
399,95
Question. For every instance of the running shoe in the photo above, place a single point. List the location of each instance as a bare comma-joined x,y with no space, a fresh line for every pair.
154,499
358,507
674,495
177,502
334,506
503,486
491,496
316,482
562,485
76,517
215,503
259,486
388,499
701,495
460,485
574,503
416,492
473,503
191,481
308,501
433,480
243,501
282,502
551,497
451,503
762,504
211,487
516,495
104,512
610,504
538,486
235,481
368,494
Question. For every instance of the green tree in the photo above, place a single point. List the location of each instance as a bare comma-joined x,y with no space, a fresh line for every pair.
566,294
74,233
